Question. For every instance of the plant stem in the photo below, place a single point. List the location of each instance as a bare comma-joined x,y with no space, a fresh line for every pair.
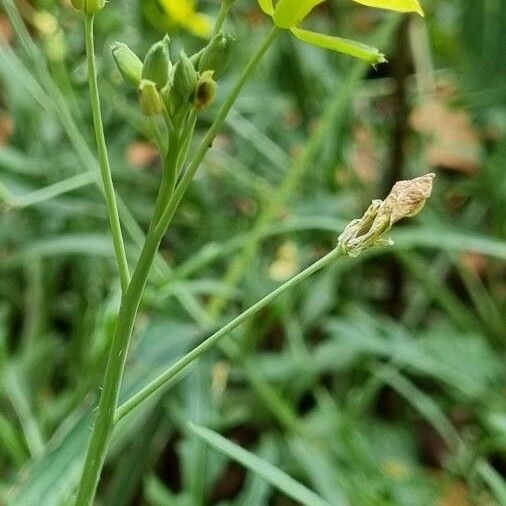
222,15
103,157
118,351
169,169
175,371
332,115
208,140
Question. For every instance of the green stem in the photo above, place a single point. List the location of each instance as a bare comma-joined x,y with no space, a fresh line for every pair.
332,115
103,426
169,176
176,371
118,351
222,16
105,169
186,139
208,140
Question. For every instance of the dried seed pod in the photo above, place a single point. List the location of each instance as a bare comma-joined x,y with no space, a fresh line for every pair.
405,200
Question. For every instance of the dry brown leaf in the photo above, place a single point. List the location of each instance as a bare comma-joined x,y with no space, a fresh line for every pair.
364,160
475,262
6,129
456,494
6,32
141,154
454,142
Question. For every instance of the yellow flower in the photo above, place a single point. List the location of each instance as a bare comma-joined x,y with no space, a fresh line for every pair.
288,14
184,14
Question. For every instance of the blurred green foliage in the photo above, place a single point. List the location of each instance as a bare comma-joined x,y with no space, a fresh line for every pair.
380,382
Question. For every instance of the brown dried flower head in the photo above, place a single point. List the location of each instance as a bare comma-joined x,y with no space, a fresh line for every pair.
405,200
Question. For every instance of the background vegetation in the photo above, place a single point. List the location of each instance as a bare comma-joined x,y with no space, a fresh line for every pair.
380,382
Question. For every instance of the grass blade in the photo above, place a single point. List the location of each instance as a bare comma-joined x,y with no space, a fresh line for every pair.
255,464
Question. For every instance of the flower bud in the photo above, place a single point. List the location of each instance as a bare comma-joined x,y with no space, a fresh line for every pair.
129,65
405,200
205,91
185,78
149,98
88,6
157,63
216,55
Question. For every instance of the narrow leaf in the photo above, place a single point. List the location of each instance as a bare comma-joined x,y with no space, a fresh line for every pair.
345,46
255,464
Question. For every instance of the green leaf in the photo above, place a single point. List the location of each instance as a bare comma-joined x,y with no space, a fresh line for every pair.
345,46
270,473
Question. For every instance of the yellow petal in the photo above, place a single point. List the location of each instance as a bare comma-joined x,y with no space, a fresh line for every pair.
200,25
288,13
306,7
345,46
267,6
394,5
178,10
184,14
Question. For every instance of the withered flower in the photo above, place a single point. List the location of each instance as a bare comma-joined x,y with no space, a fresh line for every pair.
405,200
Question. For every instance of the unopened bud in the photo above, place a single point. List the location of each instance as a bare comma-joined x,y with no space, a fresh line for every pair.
157,63
216,55
128,63
205,91
185,77
88,6
149,98
405,200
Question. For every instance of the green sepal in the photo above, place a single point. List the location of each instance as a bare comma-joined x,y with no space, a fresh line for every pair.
157,63
127,62
149,98
216,55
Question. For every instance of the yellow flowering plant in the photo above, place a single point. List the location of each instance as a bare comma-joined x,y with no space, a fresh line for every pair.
173,89
289,14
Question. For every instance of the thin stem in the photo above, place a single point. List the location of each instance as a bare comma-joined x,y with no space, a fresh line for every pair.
332,115
51,97
103,426
222,15
169,169
102,430
208,140
176,371
103,157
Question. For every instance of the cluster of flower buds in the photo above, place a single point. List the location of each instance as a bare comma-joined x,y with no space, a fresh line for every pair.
405,200
174,88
